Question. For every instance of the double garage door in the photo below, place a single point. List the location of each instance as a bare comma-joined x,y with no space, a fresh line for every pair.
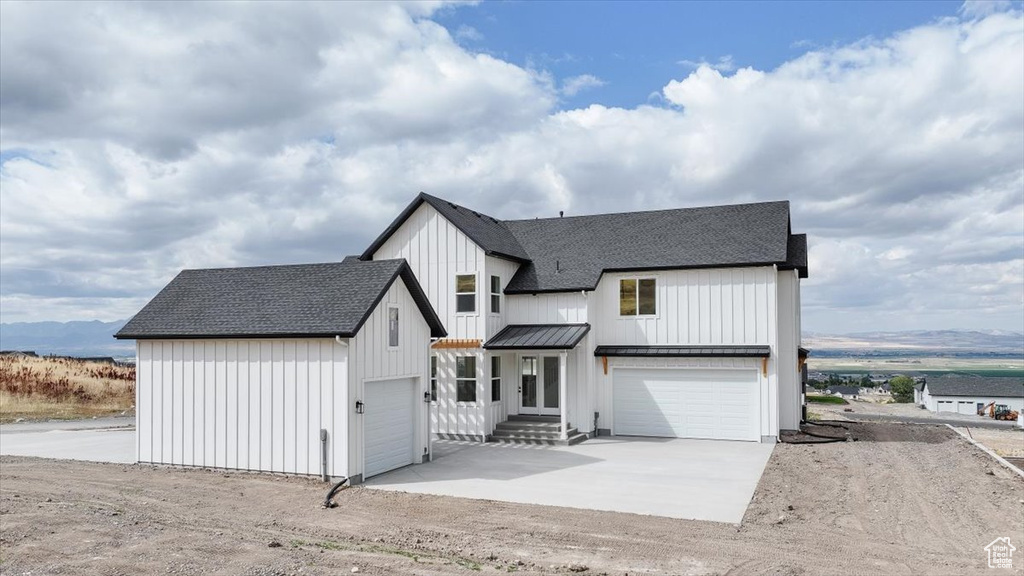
686,403
388,425
957,406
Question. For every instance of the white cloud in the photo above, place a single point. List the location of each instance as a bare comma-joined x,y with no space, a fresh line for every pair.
152,137
576,84
468,34
723,64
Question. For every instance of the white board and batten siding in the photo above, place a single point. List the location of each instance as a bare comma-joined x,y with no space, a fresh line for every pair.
790,384
260,404
375,365
437,251
722,306
242,404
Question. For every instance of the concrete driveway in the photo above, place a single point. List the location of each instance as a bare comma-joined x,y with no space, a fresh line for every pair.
691,479
99,440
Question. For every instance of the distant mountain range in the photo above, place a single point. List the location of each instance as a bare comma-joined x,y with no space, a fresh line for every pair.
82,338
95,338
918,343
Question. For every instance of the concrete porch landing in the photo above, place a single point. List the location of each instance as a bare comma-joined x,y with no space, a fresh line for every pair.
692,479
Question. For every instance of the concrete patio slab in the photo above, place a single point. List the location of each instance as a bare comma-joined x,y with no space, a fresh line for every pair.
692,479
71,440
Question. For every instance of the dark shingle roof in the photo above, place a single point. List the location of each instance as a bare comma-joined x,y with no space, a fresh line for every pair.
847,390
685,351
304,300
959,385
572,253
569,254
488,233
538,336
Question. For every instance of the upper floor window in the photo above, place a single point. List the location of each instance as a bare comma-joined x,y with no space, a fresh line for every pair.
465,292
465,378
637,297
392,326
495,294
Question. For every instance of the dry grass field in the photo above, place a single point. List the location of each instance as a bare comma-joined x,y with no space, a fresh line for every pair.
41,388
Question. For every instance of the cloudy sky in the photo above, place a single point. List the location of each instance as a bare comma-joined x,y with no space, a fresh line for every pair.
137,139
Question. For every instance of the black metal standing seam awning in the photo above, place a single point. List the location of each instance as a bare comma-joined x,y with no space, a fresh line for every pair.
538,337
685,351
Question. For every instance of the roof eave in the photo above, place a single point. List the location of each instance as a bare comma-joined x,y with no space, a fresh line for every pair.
239,336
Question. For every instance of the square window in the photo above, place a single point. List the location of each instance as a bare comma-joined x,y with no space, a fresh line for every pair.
638,297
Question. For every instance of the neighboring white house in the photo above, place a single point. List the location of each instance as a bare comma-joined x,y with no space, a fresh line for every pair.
317,369
671,323
968,394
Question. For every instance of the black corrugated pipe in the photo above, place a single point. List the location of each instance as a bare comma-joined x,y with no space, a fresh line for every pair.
329,501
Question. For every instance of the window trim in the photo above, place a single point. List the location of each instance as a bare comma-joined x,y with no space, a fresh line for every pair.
494,295
496,379
474,379
637,279
398,327
475,293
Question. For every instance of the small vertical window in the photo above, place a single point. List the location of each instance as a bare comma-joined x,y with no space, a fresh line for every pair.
495,378
495,294
465,378
465,292
393,327
627,297
433,378
638,297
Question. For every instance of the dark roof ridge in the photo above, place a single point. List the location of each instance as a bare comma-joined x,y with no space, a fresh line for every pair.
295,265
660,210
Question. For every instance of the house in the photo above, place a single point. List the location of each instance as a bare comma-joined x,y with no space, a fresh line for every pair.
317,369
672,323
669,323
844,391
965,394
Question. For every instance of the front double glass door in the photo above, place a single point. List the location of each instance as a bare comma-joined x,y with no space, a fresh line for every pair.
538,385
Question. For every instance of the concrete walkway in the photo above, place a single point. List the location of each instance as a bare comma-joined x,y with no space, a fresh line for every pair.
99,440
692,479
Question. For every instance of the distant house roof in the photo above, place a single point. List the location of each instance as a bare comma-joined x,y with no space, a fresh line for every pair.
845,390
304,300
966,385
685,351
538,337
571,253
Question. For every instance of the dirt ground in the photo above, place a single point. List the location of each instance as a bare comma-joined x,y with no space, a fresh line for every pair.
904,499
1006,443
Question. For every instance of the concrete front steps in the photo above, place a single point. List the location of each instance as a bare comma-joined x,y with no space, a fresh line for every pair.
537,430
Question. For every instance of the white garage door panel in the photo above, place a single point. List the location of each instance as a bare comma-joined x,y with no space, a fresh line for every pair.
389,421
687,403
966,407
946,406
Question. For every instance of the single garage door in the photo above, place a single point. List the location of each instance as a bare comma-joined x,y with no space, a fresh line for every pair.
945,406
388,425
687,403
965,407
